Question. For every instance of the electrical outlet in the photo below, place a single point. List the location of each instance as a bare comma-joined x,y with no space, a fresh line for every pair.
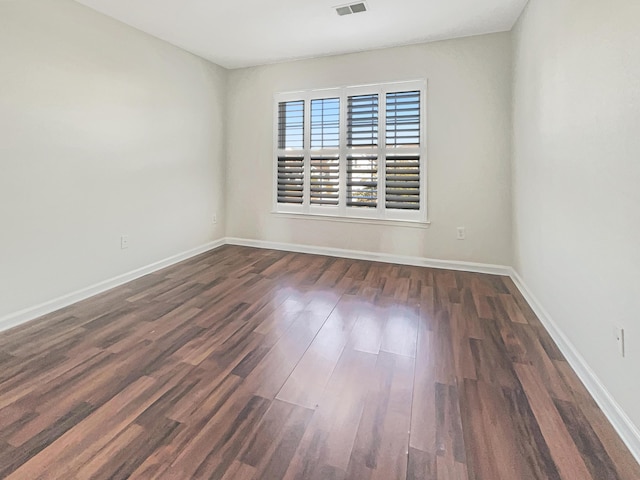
214,219
124,242
461,233
620,340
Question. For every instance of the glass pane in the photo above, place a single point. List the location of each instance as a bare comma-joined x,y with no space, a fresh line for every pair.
362,181
325,123
403,119
291,125
362,121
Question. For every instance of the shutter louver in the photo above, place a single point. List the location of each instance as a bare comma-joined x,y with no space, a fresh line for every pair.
362,124
402,163
362,140
362,181
403,119
290,166
291,125
325,180
402,185
290,179
325,123
324,156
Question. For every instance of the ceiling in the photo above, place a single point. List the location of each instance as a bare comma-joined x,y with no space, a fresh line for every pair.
245,33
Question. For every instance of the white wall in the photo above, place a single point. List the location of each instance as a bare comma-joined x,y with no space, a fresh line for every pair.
576,177
103,131
469,98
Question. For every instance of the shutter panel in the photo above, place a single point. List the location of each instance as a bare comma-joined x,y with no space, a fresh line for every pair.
290,166
403,119
325,123
402,187
362,181
291,125
325,179
325,160
402,169
362,123
290,179
362,136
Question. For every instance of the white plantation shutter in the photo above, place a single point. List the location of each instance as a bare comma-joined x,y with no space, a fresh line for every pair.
402,182
291,125
403,119
402,162
362,157
362,121
352,152
290,177
325,123
362,181
325,154
325,180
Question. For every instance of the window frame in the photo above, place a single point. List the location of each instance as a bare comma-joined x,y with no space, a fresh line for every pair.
342,211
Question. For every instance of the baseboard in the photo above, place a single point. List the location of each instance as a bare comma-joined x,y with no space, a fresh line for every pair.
375,257
18,318
628,431
31,313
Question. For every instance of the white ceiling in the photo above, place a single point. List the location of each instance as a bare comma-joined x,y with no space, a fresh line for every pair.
241,33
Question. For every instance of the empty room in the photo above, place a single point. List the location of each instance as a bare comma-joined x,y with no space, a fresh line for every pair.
299,239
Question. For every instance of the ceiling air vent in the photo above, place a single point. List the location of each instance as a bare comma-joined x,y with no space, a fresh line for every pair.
352,8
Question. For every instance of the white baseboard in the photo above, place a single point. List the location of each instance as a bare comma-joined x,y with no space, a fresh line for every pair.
375,257
31,313
17,318
628,431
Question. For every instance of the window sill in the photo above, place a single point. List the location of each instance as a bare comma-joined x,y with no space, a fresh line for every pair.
335,218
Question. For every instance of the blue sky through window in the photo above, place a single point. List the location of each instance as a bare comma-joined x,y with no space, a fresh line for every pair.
291,125
403,118
325,123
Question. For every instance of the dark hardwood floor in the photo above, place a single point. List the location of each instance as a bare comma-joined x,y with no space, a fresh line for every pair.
256,364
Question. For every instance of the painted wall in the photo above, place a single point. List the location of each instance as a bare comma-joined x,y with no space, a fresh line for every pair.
576,176
469,108
104,131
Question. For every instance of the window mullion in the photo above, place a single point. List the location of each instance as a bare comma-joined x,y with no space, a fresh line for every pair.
423,155
307,155
382,150
342,189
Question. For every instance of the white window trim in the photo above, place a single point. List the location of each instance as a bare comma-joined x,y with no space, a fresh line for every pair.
342,211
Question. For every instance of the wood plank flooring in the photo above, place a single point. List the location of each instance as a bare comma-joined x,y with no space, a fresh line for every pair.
255,364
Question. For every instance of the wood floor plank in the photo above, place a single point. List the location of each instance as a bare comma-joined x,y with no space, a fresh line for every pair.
254,364
563,450
276,441
86,438
490,440
617,451
329,439
320,359
423,415
386,414
401,330
367,332
396,377
421,465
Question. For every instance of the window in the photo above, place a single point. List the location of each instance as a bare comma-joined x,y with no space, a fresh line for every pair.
355,152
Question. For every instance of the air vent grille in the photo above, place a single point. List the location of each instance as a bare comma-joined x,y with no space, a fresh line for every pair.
351,8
